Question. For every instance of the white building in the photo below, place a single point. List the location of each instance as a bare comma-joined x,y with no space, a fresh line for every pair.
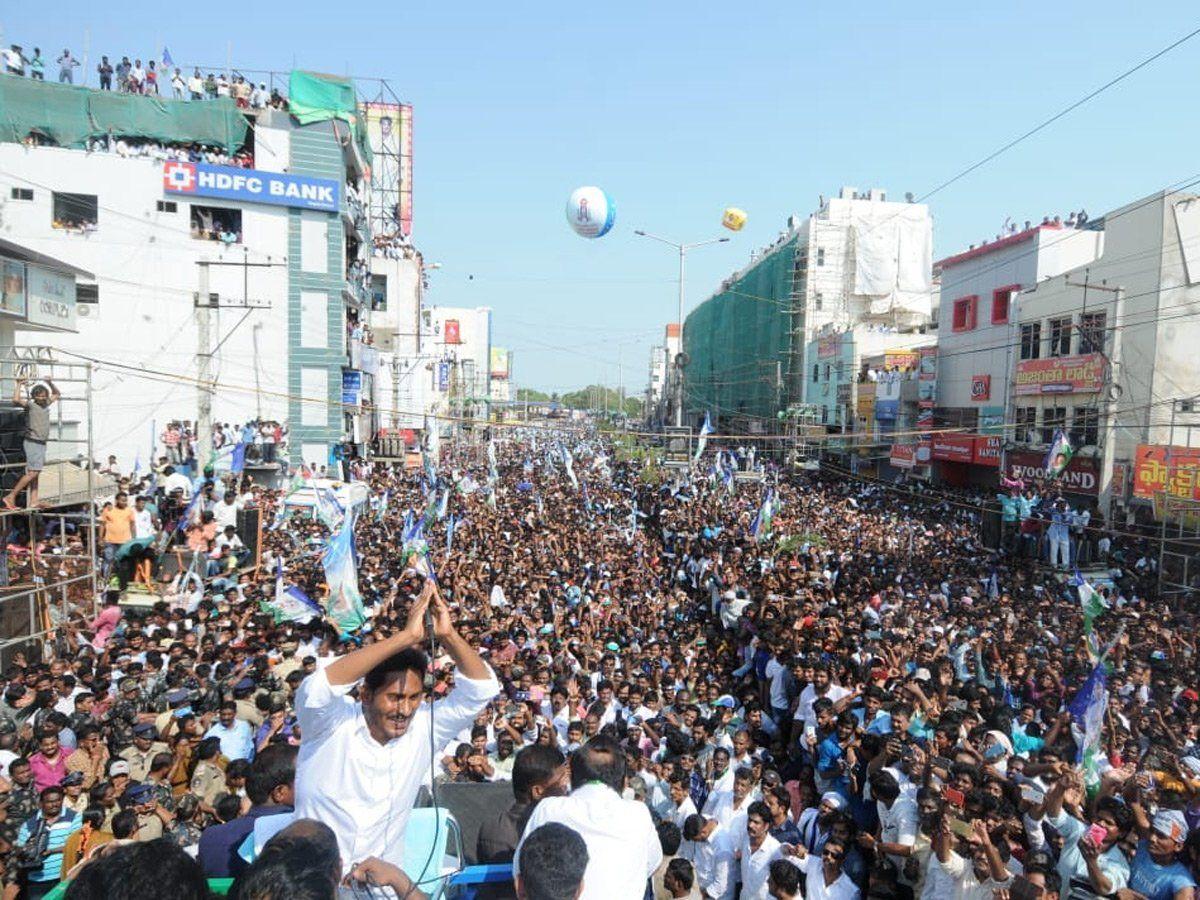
461,345
283,283
1107,352
977,316
858,259
405,382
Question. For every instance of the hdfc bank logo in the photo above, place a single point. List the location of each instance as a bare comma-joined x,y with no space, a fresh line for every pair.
179,176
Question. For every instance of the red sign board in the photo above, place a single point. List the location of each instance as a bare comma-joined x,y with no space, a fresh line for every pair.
987,450
903,456
1060,375
981,387
828,346
450,332
953,447
1081,476
1160,469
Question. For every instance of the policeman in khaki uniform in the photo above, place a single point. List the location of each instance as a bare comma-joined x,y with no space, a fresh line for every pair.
208,779
145,747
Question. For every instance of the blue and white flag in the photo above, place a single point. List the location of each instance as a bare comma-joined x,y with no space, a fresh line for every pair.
1087,713
705,430
291,604
1058,457
344,604
451,524
166,58
238,464
568,462
761,526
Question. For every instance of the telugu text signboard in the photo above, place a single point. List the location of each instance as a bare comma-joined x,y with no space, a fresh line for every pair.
51,298
251,186
1159,469
1060,375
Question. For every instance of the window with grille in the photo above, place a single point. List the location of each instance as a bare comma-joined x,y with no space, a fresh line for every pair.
1054,418
1025,419
1091,332
1085,427
1060,337
1031,341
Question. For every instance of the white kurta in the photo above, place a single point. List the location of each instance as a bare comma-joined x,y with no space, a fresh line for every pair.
360,788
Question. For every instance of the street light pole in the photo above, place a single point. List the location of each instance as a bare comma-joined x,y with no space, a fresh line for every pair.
671,368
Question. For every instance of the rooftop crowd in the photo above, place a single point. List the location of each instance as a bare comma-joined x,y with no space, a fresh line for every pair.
697,686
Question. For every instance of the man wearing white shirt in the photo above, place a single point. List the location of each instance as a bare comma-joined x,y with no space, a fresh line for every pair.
821,686
362,762
622,843
176,481
758,850
680,799
226,512
824,878
712,855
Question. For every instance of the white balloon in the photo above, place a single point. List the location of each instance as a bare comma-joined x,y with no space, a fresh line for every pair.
590,212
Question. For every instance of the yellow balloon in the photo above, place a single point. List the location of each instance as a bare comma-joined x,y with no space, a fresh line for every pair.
733,218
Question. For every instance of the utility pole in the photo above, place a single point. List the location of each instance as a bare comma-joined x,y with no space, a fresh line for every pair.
204,366
674,371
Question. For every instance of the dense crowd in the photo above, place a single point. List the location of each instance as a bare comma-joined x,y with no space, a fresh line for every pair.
802,686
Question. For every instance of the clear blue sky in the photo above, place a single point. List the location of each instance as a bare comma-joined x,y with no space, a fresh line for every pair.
680,109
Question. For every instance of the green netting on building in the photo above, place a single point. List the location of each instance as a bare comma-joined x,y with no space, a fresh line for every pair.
69,116
734,339
316,97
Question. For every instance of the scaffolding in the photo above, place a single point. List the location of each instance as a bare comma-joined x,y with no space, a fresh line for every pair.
1178,508
48,573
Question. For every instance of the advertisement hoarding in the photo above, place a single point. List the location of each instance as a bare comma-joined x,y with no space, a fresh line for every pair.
981,388
987,450
1159,469
12,288
351,387
451,333
499,362
1060,375
903,456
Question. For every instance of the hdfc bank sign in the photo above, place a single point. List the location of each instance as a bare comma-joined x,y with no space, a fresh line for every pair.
251,186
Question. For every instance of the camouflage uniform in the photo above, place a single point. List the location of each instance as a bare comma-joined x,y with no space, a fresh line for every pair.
120,721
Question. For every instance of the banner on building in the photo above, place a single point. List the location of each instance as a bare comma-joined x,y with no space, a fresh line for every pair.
903,456
443,376
953,447
1159,469
904,360
251,185
499,363
1060,375
866,401
887,397
991,420
450,332
1081,475
929,365
981,387
829,346
389,132
12,288
351,387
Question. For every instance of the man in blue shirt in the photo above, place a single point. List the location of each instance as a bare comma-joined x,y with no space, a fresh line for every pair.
52,825
271,789
236,735
1158,871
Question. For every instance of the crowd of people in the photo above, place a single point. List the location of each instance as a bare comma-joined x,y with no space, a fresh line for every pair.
153,78
791,685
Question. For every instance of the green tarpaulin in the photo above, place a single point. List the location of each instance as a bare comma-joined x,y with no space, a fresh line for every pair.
316,97
734,339
69,116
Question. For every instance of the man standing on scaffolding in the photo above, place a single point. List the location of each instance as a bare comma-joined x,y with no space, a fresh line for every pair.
37,433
